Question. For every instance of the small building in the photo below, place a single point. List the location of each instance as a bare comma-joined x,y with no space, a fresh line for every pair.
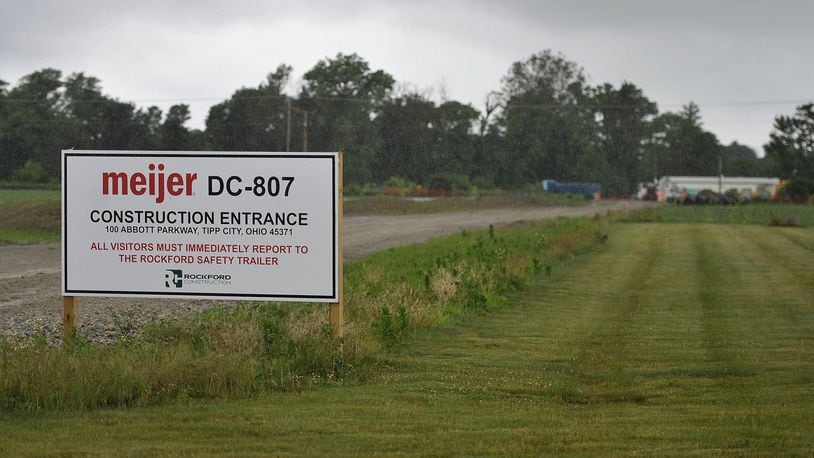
674,186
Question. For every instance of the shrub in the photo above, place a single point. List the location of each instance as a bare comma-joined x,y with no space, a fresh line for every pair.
707,197
363,189
397,186
795,190
30,172
449,182
482,183
398,182
732,196
788,220
440,181
472,297
460,183
388,329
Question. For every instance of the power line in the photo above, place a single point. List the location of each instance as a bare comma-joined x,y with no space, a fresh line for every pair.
363,99
197,99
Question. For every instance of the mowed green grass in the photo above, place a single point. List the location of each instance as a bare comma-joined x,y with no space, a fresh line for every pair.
28,195
728,214
29,216
673,339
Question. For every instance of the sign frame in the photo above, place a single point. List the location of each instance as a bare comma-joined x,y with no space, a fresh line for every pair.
336,227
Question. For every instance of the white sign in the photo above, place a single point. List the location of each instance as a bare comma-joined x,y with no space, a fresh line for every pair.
254,226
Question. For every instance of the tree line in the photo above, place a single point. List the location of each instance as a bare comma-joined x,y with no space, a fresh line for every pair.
545,121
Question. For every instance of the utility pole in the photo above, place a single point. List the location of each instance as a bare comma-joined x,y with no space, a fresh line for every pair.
304,131
720,175
288,126
304,113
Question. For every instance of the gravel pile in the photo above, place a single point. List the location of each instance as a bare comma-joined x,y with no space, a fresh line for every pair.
100,320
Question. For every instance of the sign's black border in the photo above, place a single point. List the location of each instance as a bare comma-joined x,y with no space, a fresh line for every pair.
335,252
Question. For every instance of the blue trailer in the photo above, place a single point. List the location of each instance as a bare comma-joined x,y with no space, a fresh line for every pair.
589,190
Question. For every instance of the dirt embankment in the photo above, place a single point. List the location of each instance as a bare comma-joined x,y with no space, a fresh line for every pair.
30,280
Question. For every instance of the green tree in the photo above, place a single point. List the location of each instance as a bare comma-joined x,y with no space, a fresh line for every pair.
407,145
197,140
342,96
488,145
737,150
455,144
174,135
31,172
146,129
419,139
97,121
5,156
548,124
741,160
253,119
624,117
32,127
791,147
45,113
3,95
679,145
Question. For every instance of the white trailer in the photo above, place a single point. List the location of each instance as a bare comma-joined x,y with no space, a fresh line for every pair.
674,186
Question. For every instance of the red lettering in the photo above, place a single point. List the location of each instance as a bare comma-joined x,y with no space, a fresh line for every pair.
114,183
138,184
190,178
153,183
175,184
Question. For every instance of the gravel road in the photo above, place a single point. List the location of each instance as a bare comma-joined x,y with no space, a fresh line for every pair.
30,275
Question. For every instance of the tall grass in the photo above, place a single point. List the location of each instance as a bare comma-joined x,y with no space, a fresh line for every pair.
218,353
261,347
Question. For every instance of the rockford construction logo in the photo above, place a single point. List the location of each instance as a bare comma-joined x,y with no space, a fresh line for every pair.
176,278
173,278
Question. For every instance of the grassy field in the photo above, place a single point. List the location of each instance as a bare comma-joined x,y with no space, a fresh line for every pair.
28,195
673,339
253,348
729,214
29,216
391,205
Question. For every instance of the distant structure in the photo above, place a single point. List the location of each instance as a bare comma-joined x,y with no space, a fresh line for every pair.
675,186
588,190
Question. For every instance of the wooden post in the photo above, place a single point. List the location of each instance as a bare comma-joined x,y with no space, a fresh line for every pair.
336,313
68,318
288,126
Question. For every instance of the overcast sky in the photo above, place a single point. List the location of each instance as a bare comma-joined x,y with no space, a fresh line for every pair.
743,61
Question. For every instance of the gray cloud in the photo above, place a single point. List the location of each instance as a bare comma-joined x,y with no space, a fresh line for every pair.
718,53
